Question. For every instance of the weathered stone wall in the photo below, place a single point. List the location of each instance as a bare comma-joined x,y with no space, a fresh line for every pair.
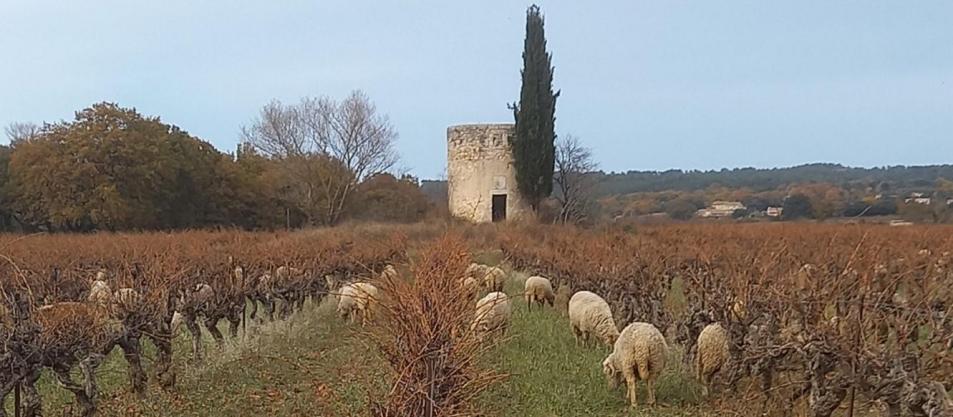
479,165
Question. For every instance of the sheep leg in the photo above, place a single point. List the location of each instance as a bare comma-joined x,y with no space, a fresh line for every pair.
32,403
630,381
576,334
196,337
646,374
211,324
131,350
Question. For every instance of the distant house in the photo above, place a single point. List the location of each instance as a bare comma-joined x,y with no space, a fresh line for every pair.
773,211
900,223
918,200
720,209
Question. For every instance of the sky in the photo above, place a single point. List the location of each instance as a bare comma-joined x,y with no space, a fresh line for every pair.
648,85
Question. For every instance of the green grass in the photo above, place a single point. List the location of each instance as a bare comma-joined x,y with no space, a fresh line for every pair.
315,365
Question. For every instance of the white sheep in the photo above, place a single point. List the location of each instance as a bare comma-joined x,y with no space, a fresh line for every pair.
491,276
492,314
471,285
126,300
538,290
494,279
99,291
476,270
590,315
389,272
357,298
712,354
639,353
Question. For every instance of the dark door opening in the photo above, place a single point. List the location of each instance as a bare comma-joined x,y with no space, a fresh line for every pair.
499,207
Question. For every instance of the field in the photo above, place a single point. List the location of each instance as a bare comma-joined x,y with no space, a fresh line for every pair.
310,362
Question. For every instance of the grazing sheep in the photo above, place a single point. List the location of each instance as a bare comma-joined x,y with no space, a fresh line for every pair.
494,279
357,299
389,272
538,290
590,315
99,292
639,353
712,354
492,314
472,286
491,276
126,300
476,270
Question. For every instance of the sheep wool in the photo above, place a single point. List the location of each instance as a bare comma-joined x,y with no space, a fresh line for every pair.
538,290
357,299
494,279
712,354
638,354
100,293
492,314
590,315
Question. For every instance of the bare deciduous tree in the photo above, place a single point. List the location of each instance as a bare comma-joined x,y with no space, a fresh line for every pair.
574,184
21,131
327,148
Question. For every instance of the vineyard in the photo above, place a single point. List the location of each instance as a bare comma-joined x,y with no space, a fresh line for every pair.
821,320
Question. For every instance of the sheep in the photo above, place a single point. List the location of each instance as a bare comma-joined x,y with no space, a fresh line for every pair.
126,300
471,285
494,279
639,353
538,290
389,272
357,298
492,314
99,291
476,270
712,354
590,315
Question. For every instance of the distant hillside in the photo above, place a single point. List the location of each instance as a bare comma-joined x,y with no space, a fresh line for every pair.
897,177
887,178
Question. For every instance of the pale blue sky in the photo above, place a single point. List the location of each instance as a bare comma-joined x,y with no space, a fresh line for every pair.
648,85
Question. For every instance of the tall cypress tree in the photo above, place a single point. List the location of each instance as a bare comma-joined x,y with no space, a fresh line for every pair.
533,145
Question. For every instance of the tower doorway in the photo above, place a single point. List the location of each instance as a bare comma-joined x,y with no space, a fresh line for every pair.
499,207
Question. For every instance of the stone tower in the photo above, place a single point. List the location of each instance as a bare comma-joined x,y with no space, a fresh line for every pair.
480,173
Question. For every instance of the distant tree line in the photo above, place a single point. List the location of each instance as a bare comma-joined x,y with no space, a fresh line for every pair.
885,179
111,168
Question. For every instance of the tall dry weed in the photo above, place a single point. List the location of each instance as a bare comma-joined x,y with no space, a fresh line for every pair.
423,333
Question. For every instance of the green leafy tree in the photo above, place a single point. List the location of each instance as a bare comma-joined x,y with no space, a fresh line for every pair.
797,206
112,168
533,145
